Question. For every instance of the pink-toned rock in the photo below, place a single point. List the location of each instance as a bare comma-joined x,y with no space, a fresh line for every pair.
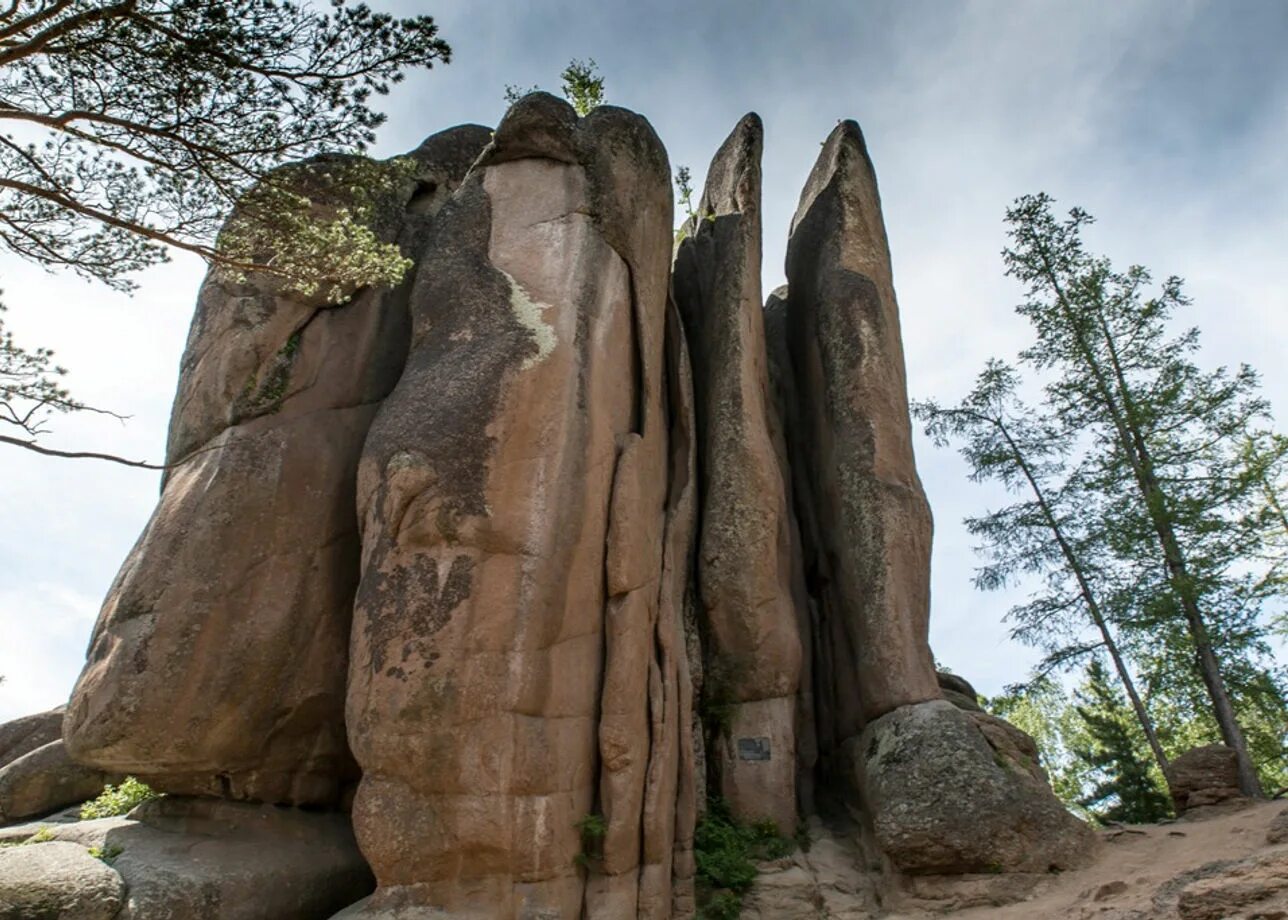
518,663
866,523
218,662
748,585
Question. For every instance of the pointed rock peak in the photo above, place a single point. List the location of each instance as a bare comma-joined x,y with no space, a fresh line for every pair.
733,178
844,158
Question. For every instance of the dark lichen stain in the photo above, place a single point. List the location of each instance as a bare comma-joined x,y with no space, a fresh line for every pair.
411,599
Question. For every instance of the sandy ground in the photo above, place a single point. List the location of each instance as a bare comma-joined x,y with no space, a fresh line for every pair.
1138,873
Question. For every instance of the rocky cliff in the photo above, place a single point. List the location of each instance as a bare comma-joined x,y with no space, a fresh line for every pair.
524,561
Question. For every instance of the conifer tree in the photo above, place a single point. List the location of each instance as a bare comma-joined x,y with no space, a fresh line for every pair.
1127,789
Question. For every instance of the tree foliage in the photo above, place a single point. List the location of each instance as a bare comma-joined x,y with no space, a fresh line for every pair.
1153,487
1127,787
133,127
581,84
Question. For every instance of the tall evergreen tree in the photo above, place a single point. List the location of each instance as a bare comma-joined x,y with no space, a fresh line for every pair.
1164,454
1051,532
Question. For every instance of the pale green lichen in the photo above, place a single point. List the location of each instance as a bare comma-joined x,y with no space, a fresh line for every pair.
529,314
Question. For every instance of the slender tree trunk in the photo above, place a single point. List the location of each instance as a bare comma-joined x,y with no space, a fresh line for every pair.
1089,598
1138,456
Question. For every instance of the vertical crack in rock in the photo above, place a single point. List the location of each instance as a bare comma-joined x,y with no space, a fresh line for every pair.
217,664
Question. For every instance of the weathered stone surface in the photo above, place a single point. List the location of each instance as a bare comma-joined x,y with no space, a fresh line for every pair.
218,662
58,881
834,880
23,735
867,526
1204,778
206,859
957,684
517,660
1277,833
1013,745
942,799
748,587
47,779
1252,889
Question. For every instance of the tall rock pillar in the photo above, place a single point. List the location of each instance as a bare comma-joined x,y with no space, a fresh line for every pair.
868,540
516,694
749,590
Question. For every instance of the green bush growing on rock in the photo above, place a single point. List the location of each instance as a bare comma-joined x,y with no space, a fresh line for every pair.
726,854
592,828
106,853
117,800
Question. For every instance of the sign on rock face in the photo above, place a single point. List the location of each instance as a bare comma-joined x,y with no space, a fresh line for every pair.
576,570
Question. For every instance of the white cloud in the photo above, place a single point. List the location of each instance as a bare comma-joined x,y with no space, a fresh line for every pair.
1163,118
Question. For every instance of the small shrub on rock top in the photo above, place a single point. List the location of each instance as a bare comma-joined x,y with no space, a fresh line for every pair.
117,800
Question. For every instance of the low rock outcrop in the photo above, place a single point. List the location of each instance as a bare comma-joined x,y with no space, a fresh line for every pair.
23,735
58,880
196,859
45,780
1204,779
943,799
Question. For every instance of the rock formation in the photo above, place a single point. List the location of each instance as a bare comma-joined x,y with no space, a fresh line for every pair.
558,539
517,651
751,592
867,525
1205,779
218,662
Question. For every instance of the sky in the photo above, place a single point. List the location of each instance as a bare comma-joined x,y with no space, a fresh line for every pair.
1167,120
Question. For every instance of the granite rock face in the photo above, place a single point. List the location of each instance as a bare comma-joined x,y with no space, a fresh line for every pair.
45,780
1203,779
59,880
748,579
197,859
23,735
517,663
218,662
520,561
866,523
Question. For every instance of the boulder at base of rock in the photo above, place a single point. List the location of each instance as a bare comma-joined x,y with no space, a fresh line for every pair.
942,799
24,735
1205,777
46,779
207,859
61,881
